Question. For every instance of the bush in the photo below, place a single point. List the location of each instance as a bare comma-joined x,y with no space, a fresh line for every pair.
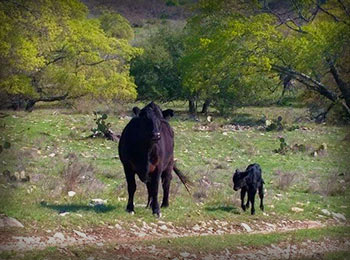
285,180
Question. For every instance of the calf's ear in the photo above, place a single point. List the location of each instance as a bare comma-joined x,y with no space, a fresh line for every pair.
167,114
136,111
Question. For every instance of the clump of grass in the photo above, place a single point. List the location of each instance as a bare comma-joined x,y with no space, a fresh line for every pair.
285,180
333,185
79,176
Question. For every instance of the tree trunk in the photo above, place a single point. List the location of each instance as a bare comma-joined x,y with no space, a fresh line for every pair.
191,106
206,106
343,87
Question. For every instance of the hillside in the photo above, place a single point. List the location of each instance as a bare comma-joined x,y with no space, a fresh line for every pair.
139,11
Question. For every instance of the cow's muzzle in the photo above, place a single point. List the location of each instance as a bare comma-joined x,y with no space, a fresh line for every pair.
236,188
156,137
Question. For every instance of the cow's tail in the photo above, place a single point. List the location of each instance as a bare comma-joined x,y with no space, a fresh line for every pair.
182,178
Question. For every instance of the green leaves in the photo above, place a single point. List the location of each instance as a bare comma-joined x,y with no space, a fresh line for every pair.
51,48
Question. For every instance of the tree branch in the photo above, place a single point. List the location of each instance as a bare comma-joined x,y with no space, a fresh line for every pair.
307,81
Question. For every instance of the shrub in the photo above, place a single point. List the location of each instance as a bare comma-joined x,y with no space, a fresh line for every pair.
285,180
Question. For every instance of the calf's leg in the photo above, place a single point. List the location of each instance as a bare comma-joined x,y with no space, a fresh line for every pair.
251,198
243,192
261,195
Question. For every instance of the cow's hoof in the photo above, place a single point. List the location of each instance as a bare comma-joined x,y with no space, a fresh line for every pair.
131,212
243,207
165,205
157,215
262,208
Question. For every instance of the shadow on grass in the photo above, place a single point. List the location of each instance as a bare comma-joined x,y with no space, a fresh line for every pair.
224,208
245,119
78,207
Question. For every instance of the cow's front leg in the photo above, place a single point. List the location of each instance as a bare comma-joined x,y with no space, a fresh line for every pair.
130,178
155,179
243,192
251,198
166,179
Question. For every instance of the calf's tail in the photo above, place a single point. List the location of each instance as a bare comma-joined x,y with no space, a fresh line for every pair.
182,178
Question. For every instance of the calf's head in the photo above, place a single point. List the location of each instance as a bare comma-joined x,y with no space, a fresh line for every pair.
238,180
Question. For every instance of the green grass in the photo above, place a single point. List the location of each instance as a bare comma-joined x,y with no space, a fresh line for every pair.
210,155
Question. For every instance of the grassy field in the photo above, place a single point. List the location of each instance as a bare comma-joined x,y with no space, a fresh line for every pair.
50,146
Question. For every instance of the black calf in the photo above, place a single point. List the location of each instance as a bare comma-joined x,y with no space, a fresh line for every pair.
249,181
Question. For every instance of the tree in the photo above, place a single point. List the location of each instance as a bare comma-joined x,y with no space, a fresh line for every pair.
316,51
156,72
50,50
236,52
223,60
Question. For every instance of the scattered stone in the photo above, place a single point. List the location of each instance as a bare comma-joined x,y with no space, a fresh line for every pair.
163,227
23,177
196,228
338,216
96,202
59,235
325,212
81,234
246,227
71,193
10,222
63,214
297,210
184,254
52,155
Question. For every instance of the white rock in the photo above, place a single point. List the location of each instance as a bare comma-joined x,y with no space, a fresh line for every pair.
246,227
81,234
95,202
52,155
59,235
163,227
325,212
296,209
64,214
196,227
184,254
71,193
10,222
338,216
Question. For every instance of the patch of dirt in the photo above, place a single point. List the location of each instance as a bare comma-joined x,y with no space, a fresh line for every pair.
15,240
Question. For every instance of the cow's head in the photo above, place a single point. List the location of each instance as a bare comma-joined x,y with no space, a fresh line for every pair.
151,116
238,180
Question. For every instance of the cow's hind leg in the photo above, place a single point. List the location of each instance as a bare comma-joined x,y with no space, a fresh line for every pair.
261,195
166,179
130,179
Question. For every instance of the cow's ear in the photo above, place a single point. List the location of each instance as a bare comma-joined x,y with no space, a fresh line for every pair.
136,111
167,114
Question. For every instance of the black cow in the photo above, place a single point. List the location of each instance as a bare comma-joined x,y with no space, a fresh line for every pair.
249,181
146,148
